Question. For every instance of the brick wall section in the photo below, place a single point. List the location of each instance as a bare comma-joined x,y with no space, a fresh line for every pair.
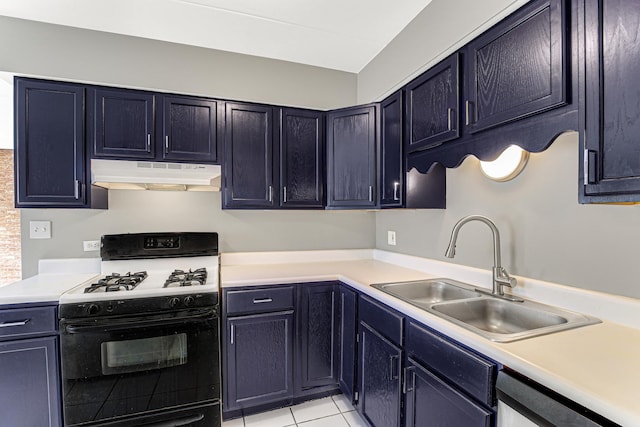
10,266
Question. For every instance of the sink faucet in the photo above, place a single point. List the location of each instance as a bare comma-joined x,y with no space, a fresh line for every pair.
500,276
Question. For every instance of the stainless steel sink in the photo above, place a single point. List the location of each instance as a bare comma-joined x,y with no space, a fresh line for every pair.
494,318
428,292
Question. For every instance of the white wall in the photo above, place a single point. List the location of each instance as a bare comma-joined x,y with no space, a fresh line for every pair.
545,232
45,50
58,52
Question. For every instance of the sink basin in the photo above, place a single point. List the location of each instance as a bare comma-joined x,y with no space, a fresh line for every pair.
494,318
427,292
501,320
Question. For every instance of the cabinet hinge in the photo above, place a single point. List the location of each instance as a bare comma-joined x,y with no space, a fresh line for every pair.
356,397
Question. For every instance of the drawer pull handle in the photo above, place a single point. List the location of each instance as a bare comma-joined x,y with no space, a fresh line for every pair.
16,323
262,300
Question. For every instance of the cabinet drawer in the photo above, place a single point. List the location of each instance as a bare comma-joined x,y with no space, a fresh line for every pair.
259,300
382,319
465,369
25,322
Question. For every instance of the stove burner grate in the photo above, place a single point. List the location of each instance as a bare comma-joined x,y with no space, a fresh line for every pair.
186,278
116,282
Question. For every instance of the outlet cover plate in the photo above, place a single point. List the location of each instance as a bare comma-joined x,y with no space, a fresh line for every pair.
39,229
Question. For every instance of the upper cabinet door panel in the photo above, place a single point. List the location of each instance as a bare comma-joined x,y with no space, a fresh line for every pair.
612,121
432,105
49,144
301,158
190,130
351,152
519,67
248,156
123,124
391,159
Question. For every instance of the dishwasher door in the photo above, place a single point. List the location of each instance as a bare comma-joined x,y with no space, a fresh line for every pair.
525,403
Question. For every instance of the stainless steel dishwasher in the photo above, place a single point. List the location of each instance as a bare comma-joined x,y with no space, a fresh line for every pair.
524,403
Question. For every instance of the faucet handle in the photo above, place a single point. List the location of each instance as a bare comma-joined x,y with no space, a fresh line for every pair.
504,279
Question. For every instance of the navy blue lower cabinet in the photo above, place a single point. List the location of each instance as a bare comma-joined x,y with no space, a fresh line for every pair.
317,314
347,335
30,383
259,359
380,380
429,401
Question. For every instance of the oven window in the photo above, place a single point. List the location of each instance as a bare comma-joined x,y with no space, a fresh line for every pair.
143,354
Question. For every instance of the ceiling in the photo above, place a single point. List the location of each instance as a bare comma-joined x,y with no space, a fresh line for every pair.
337,34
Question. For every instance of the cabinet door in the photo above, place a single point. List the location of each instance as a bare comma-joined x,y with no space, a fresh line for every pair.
30,383
347,333
49,145
259,359
189,129
519,67
317,336
380,384
432,106
301,158
430,401
122,124
612,125
248,154
351,152
391,159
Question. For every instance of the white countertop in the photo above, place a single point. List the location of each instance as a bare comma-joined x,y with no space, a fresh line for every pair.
55,277
597,366
42,288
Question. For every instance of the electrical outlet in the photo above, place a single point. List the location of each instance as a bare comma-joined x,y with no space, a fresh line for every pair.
91,245
391,238
39,229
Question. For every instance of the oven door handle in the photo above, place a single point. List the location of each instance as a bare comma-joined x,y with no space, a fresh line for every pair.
178,422
106,325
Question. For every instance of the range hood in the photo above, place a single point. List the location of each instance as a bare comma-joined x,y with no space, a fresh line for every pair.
139,175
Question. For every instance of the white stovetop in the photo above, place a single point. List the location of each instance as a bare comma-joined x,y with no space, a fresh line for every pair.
158,270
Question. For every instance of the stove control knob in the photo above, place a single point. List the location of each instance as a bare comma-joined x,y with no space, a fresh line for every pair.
188,301
174,302
93,309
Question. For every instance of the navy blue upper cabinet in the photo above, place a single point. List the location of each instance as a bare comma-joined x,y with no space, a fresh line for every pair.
519,67
317,314
391,159
301,158
137,125
351,158
248,150
50,163
189,129
432,105
122,123
611,141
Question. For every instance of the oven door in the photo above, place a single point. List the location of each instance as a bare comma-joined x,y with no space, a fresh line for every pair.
116,367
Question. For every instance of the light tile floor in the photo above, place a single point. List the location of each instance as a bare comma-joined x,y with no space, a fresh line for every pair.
334,411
